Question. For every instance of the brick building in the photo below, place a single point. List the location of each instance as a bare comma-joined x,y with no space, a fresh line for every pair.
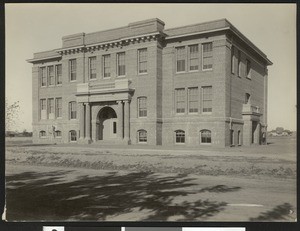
201,84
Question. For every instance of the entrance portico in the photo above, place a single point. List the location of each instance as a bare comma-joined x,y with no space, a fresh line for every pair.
104,111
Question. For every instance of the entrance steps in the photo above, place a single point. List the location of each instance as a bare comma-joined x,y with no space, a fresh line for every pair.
108,142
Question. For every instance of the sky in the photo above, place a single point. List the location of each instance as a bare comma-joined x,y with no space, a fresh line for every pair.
36,27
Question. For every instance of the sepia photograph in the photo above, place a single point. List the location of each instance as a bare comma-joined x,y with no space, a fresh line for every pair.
150,112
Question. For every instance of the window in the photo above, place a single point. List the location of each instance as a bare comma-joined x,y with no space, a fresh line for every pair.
57,134
121,63
179,137
232,60
180,100
207,56
180,59
239,138
193,99
239,64
142,106
73,136
142,136
43,75
51,77
50,108
42,134
114,127
73,109
205,137
72,69
232,137
92,68
207,99
142,56
106,66
58,107
247,98
248,69
58,74
43,109
194,57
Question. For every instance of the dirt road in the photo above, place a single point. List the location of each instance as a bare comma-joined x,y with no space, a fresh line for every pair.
58,193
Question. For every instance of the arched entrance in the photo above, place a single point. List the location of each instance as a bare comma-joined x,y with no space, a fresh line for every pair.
107,124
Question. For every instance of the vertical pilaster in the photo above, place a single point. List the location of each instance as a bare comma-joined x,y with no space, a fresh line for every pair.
120,120
87,121
247,132
126,121
81,120
257,134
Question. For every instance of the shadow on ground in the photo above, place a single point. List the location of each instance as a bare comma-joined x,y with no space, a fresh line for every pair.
35,196
279,213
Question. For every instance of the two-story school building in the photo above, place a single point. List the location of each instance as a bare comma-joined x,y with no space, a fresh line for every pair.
201,84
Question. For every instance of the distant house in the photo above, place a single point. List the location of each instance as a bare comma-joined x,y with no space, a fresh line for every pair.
10,134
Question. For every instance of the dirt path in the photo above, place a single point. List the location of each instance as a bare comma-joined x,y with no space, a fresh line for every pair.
57,193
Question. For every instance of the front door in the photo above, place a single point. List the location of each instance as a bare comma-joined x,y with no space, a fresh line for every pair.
109,128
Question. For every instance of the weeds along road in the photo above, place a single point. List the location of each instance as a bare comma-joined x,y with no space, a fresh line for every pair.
90,183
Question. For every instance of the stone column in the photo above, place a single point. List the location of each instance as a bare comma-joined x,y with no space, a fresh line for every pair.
247,132
88,122
257,134
120,120
126,121
81,120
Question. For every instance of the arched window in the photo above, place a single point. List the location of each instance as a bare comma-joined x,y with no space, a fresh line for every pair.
42,134
73,136
232,137
247,98
58,134
142,136
179,137
205,136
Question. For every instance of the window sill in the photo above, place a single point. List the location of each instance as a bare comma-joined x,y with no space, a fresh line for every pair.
180,114
93,79
193,71
206,113
73,81
121,76
107,77
144,73
207,69
179,143
142,142
205,143
180,72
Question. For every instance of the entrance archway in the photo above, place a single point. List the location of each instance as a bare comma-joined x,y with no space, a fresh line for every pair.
107,124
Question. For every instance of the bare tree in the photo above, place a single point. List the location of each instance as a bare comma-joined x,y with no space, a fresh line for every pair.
11,114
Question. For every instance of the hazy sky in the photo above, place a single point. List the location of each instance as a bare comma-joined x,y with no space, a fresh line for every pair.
32,28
